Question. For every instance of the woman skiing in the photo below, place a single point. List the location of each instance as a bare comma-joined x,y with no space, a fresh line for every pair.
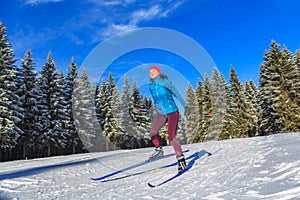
162,91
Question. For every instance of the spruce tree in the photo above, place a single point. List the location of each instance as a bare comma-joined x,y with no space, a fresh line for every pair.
84,112
51,108
115,105
60,119
227,128
251,107
266,122
218,105
287,104
200,135
71,79
204,121
29,98
10,112
106,120
139,115
238,113
295,93
126,124
191,121
271,88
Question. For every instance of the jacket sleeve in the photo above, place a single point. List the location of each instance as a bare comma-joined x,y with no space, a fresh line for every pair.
175,92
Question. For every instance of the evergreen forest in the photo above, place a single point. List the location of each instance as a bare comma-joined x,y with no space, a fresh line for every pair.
40,117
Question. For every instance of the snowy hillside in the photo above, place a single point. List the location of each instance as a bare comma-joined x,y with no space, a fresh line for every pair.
254,168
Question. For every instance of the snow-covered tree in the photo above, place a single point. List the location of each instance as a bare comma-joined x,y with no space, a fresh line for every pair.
106,119
60,117
29,97
251,107
71,79
84,112
10,112
139,115
227,128
191,121
125,123
295,93
287,107
270,91
238,113
206,108
218,106
50,107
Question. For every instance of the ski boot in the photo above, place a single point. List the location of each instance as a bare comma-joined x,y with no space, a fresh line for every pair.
181,163
157,153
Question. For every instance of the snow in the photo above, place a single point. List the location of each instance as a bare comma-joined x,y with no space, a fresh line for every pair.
252,168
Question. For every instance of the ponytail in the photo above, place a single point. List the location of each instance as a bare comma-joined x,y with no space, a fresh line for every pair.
162,76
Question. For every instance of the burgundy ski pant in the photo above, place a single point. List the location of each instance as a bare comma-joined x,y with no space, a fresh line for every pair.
159,122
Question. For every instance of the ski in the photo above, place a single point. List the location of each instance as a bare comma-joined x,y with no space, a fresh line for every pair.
191,163
133,166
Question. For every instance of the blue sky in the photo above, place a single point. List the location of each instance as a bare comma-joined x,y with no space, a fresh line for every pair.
233,32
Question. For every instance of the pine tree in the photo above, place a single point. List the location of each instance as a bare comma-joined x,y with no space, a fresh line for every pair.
264,94
60,127
10,113
207,106
50,106
270,91
139,115
106,118
200,135
251,107
227,128
71,79
29,98
113,132
287,105
218,106
116,107
295,93
238,113
191,123
84,112
126,124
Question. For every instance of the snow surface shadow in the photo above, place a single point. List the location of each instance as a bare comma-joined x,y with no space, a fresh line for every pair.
38,170
194,157
4,197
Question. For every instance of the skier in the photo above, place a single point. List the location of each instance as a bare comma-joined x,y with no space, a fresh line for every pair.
162,91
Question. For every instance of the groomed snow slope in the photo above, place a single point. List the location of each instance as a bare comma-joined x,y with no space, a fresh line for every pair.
253,168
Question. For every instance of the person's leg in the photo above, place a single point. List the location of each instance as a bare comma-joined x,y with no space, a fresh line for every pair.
157,124
173,119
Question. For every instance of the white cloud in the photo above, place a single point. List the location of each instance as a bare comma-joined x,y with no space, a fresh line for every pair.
115,29
145,15
142,12
104,18
112,2
36,2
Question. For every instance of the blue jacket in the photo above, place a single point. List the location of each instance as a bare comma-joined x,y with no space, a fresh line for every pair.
162,91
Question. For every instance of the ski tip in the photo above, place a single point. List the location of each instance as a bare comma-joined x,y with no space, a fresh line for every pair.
150,185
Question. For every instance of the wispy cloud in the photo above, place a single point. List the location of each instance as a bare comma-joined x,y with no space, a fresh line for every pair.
145,14
141,13
36,2
98,20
